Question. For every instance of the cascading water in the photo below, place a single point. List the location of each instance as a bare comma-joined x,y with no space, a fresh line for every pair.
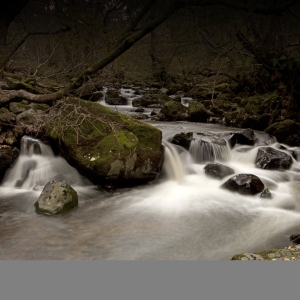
182,217
37,165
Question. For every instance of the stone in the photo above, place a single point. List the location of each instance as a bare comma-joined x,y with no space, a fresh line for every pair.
266,194
109,140
153,100
269,158
217,170
8,155
245,184
56,197
245,137
174,111
183,139
197,112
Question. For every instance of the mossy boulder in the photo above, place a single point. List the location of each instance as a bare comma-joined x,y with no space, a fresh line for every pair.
197,112
107,147
56,197
174,111
287,132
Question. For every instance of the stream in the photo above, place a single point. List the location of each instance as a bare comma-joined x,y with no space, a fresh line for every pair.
183,215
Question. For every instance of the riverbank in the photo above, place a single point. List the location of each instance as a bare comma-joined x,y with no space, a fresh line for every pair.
288,253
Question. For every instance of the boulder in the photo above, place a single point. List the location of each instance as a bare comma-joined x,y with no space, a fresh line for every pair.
245,137
174,111
245,184
218,171
152,100
287,132
107,147
197,112
56,197
269,158
183,139
8,155
30,117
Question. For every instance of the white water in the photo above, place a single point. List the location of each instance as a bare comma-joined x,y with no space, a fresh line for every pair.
37,165
184,216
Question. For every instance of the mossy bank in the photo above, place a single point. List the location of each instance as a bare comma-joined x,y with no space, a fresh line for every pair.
107,147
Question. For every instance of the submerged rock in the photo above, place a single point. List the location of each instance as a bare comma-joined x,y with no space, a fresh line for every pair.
216,170
56,197
266,194
107,147
245,184
272,159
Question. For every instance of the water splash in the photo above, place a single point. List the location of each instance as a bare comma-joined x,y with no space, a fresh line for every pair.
37,165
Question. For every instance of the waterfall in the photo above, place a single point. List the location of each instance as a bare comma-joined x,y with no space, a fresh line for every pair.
173,163
203,151
37,165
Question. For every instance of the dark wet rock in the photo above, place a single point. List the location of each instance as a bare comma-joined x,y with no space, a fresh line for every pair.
56,197
266,194
116,101
183,139
245,184
94,96
231,139
245,137
8,155
269,158
152,100
174,111
218,171
295,238
139,109
197,112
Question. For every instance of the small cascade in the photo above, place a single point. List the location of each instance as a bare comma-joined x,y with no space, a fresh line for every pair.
173,163
208,150
37,165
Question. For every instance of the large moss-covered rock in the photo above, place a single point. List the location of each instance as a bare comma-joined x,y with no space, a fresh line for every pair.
174,111
106,146
56,197
287,132
197,112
